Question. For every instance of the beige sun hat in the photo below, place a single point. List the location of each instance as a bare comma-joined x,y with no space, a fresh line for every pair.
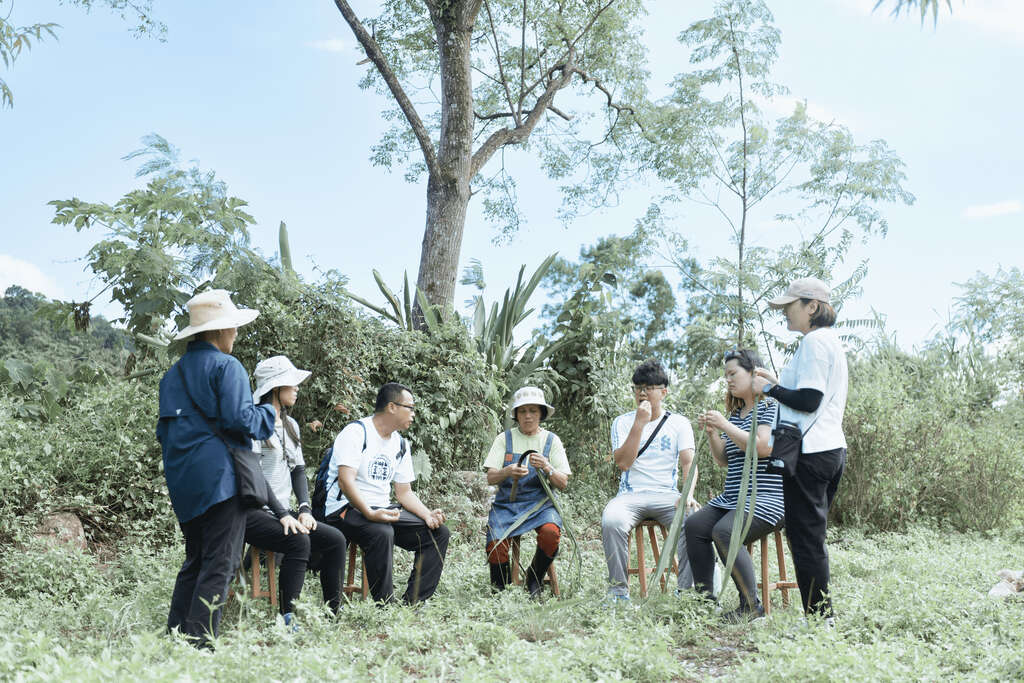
529,396
214,310
804,288
277,371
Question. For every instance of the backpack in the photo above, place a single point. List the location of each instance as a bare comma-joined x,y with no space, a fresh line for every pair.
318,501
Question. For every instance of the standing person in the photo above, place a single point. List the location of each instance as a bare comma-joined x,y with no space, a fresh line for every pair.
283,530
205,392
519,488
812,395
651,447
712,524
368,455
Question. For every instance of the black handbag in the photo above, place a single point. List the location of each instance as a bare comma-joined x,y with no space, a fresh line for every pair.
786,445
249,479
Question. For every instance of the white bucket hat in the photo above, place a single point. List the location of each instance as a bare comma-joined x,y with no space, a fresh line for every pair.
529,396
214,310
277,371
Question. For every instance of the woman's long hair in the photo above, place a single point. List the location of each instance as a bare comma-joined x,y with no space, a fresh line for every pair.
748,360
289,428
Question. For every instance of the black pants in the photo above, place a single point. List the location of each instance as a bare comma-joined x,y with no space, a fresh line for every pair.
809,494
263,530
714,525
378,540
213,549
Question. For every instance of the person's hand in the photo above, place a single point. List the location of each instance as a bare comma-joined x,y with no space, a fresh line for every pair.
539,462
643,412
714,419
435,519
758,383
291,525
306,520
692,504
767,374
384,515
515,471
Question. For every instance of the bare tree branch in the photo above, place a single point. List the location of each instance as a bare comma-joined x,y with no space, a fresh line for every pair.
501,70
377,57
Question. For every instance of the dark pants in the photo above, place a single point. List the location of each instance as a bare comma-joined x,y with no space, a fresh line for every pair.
264,531
809,494
714,525
213,549
378,540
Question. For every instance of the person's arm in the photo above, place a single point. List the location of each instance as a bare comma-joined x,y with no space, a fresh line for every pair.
804,400
740,437
237,413
626,454
347,482
558,479
496,475
408,499
290,524
706,422
685,463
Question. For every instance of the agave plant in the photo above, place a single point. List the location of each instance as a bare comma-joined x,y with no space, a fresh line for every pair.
401,312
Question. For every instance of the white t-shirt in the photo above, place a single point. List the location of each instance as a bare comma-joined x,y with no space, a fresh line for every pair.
819,363
657,468
376,467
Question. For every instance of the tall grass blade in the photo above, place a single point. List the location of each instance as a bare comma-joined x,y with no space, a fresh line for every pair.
668,551
575,559
741,521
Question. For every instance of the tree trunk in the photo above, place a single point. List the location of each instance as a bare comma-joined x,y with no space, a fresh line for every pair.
448,186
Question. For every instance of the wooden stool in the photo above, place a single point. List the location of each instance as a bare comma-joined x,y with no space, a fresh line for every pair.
766,586
256,580
350,586
641,569
552,575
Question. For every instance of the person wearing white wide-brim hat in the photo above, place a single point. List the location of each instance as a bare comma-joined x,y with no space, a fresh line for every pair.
517,459
811,391
296,534
205,392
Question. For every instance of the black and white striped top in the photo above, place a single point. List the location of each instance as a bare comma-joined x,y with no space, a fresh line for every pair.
768,506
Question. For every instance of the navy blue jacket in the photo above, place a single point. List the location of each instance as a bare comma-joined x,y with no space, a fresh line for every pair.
199,470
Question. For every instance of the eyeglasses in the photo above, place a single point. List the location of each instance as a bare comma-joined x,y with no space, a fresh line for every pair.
647,388
412,408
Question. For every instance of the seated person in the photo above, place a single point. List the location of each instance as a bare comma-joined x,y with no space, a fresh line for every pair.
728,440
368,455
651,447
519,489
295,534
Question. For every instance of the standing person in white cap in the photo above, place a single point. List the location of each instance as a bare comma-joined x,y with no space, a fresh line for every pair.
812,396
206,392
519,489
651,447
278,527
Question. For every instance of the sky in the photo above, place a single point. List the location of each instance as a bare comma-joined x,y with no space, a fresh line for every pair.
268,98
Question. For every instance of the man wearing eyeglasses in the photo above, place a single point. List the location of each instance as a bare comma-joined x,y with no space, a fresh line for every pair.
369,454
652,448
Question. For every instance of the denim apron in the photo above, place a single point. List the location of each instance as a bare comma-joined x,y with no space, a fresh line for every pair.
505,511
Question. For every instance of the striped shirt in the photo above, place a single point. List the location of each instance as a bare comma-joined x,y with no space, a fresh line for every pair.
279,455
768,506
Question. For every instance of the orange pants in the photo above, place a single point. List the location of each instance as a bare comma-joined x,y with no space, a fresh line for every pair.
548,537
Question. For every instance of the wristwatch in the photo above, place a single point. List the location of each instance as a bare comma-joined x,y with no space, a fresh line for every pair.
549,470
767,388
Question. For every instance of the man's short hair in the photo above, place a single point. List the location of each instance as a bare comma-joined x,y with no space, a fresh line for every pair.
389,393
650,373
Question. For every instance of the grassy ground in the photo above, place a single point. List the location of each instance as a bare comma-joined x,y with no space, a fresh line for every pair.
912,606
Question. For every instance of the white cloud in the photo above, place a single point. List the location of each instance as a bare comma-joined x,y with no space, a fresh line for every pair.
14,271
981,211
1005,17
328,45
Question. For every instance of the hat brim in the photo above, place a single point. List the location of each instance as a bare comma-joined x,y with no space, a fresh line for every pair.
781,301
244,316
292,378
512,410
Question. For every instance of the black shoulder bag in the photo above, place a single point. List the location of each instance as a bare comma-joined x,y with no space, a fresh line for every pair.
252,485
787,444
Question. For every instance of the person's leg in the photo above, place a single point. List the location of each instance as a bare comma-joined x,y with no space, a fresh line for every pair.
699,551
377,539
742,567
498,563
620,515
662,508
264,531
223,527
806,502
429,546
331,546
185,584
548,538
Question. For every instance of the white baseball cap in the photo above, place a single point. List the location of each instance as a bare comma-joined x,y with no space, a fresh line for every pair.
804,288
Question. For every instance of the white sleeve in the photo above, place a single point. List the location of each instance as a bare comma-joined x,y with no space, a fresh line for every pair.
814,365
618,433
684,433
348,447
404,473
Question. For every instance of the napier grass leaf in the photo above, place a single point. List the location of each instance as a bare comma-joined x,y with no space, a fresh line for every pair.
742,521
669,549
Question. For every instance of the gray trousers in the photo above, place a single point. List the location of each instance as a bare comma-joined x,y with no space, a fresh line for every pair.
621,514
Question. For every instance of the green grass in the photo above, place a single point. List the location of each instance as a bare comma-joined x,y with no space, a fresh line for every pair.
911,606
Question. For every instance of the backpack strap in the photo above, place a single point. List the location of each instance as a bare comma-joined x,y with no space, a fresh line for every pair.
360,423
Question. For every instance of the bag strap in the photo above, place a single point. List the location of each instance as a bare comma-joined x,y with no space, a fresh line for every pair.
353,422
653,434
